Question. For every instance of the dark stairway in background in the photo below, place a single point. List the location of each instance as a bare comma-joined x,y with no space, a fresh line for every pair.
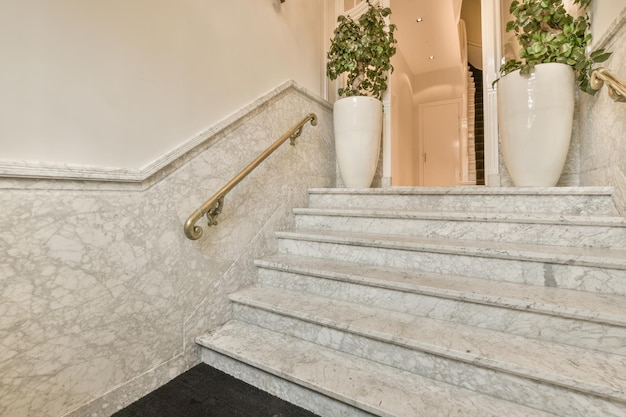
479,123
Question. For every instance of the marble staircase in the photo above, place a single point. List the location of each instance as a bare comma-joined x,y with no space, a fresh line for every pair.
439,302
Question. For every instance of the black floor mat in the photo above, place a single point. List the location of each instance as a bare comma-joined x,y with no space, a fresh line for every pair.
204,391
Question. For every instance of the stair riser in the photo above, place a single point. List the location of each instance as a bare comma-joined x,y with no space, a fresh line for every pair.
582,333
519,389
294,393
546,234
585,278
564,204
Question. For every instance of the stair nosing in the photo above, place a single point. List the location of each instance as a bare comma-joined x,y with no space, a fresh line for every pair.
494,300
587,257
577,384
469,191
501,217
364,403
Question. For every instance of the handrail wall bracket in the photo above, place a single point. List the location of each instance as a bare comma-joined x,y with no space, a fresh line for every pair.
212,208
616,88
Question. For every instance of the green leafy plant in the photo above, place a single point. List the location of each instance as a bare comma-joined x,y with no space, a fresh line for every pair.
547,33
363,49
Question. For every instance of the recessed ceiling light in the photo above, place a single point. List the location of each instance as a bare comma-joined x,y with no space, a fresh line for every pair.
419,20
431,57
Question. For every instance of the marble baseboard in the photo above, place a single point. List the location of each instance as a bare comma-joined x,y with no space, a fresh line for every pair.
126,394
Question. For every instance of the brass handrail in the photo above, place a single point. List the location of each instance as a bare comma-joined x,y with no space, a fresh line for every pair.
213,206
617,89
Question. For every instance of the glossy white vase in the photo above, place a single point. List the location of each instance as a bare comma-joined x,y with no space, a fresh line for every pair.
358,128
535,116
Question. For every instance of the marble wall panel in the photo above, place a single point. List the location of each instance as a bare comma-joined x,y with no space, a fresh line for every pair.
602,132
101,294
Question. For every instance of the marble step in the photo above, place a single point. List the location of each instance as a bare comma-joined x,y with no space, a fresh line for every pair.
587,269
551,229
358,387
564,200
587,383
583,319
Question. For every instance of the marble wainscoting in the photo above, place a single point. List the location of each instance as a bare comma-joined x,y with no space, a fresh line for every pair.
101,294
603,124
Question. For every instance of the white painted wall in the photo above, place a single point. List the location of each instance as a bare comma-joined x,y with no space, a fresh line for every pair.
603,13
404,146
471,14
119,84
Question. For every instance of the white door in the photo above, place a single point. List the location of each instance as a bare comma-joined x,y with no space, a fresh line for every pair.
440,140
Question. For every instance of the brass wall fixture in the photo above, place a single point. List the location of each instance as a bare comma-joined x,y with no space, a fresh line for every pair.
213,206
617,89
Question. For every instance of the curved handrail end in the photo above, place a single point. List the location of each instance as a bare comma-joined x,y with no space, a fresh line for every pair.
192,231
616,87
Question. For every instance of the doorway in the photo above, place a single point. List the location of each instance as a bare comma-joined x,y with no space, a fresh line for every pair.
429,87
439,139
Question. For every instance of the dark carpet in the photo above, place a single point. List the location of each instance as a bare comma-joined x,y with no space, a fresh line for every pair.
204,391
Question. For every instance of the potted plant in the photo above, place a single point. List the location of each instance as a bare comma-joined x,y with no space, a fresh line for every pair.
536,95
362,50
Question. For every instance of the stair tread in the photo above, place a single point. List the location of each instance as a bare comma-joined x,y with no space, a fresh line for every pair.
371,386
576,368
469,191
596,257
596,307
512,217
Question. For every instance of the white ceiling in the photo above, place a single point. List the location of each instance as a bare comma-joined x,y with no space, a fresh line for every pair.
436,35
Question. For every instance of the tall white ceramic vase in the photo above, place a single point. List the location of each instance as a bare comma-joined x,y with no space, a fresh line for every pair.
535,116
358,129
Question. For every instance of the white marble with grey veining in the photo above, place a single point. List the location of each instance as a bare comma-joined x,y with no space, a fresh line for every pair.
447,351
487,315
598,231
588,269
602,124
368,385
101,294
592,321
562,200
283,388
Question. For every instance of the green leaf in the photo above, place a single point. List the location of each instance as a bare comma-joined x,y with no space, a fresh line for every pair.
546,32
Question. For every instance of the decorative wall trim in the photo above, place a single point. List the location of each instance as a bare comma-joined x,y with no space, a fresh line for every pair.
492,48
28,174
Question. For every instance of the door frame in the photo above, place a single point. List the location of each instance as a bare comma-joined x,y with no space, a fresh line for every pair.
491,17
421,139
